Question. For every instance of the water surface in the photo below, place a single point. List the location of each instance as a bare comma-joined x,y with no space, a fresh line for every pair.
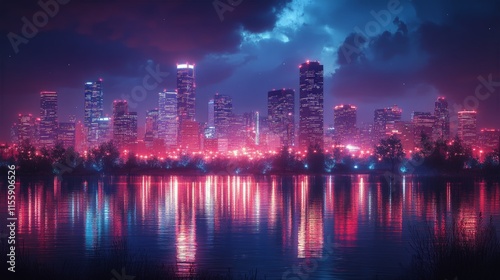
335,227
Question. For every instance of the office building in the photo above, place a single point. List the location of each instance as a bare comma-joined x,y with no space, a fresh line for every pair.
467,127
186,92
67,134
223,111
93,111
344,123
168,122
48,119
442,114
311,105
424,123
281,115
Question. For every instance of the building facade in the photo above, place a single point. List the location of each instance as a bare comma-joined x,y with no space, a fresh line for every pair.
311,105
344,123
168,122
94,111
48,119
281,115
467,127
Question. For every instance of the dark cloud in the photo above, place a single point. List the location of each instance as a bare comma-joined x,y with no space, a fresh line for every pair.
113,39
447,54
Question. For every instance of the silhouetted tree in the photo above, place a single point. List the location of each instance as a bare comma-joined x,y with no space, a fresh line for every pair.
436,160
315,159
458,154
104,157
284,161
26,154
57,153
131,162
390,150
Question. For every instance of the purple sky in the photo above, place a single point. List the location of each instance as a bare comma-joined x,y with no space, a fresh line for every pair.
415,52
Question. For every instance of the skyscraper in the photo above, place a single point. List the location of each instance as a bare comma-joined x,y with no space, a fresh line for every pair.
223,110
311,104
384,121
104,129
467,127
151,127
25,128
209,132
48,119
185,92
93,110
344,123
190,135
168,121
67,134
424,123
131,130
211,113
281,115
120,122
488,139
442,114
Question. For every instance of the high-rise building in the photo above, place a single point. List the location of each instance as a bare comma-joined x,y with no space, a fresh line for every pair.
210,128
168,121
442,114
151,127
67,134
281,115
190,135
104,126
488,139
93,111
467,127
131,130
186,92
211,113
404,131
384,121
252,125
48,119
223,110
80,137
238,136
311,105
424,123
25,128
120,122
344,123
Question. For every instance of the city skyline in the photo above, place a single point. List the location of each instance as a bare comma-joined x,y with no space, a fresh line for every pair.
227,131
245,58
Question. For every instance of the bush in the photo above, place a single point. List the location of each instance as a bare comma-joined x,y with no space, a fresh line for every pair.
462,252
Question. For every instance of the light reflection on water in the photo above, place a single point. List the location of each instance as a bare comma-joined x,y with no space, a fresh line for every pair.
246,223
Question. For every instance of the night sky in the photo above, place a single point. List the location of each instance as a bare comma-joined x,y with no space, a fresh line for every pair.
427,49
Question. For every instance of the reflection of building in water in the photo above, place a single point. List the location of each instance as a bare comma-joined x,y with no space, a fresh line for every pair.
310,204
345,220
185,230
